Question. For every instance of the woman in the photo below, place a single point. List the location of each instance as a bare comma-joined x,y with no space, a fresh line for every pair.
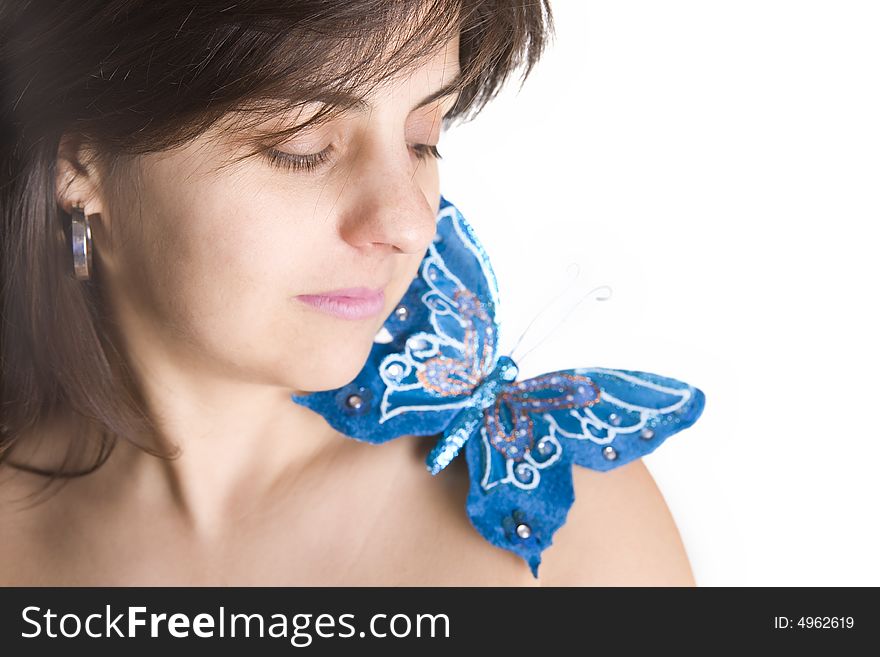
231,161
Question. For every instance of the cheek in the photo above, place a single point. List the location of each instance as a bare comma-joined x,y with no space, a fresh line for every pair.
219,274
236,284
229,297
428,177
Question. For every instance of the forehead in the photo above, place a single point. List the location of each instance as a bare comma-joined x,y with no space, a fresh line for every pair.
440,71
434,76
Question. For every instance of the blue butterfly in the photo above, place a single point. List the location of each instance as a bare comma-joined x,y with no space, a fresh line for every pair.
434,369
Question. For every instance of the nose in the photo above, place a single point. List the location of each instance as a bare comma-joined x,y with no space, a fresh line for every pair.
389,202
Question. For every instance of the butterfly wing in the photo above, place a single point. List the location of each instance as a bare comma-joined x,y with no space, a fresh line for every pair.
434,348
521,460
636,412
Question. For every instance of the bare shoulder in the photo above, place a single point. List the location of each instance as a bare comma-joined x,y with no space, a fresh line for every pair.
619,532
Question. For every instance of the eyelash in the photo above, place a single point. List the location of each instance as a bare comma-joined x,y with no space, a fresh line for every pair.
295,162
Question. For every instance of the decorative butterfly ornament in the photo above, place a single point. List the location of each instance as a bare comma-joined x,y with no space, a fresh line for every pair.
434,369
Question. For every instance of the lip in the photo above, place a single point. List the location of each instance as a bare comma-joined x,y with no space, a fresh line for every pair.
347,303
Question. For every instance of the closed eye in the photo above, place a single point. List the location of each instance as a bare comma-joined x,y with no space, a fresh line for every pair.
313,161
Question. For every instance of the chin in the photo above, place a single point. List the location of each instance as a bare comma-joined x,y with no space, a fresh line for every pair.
337,367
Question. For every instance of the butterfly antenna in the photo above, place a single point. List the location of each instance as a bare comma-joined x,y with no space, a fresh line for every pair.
558,324
540,312
520,359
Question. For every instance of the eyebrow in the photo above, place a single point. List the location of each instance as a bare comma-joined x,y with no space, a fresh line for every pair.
358,104
447,89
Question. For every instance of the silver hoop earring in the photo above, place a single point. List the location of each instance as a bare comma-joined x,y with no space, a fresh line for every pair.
81,237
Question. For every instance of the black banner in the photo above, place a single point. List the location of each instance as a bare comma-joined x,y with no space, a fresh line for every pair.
283,620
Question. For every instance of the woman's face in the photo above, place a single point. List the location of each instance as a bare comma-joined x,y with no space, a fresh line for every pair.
202,263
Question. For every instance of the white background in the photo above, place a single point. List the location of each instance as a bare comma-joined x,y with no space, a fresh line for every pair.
717,165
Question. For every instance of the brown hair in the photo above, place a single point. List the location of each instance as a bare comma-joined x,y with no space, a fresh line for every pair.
139,76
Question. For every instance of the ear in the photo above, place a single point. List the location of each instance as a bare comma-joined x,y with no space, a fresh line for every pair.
76,176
